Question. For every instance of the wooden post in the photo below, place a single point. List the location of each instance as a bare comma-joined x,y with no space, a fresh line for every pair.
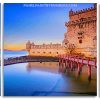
74,65
71,65
89,72
95,63
59,62
65,63
79,68
62,63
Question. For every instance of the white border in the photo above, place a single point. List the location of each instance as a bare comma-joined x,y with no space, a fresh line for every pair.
97,49
1,49
52,1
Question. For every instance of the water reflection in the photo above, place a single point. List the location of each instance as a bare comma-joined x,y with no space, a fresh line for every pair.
43,66
47,78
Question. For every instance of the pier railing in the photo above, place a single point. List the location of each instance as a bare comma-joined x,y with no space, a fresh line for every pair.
78,59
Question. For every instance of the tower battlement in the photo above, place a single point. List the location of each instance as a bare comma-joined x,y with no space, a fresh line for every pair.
72,13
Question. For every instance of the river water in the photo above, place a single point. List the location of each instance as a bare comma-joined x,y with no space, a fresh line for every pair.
8,54
45,79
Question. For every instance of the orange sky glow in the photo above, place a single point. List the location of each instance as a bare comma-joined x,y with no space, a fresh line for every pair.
14,47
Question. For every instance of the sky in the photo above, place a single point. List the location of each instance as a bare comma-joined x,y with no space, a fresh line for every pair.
0,25
39,24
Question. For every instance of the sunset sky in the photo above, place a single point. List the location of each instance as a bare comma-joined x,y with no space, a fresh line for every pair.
37,24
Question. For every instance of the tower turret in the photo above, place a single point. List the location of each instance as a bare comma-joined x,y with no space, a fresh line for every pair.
28,46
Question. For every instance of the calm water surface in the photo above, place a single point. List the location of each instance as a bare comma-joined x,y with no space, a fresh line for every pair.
46,79
8,54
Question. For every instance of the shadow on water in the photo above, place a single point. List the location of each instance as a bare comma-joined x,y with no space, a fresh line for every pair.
53,93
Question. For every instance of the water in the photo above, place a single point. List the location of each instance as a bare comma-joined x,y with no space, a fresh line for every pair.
0,79
46,79
37,79
8,54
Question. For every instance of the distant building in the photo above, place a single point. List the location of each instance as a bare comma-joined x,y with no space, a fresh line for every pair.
82,31
44,49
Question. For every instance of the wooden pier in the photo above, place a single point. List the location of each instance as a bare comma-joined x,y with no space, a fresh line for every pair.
77,62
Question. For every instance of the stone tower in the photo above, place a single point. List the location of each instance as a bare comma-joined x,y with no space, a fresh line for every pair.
81,30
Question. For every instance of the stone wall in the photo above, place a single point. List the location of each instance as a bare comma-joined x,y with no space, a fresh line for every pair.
44,49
